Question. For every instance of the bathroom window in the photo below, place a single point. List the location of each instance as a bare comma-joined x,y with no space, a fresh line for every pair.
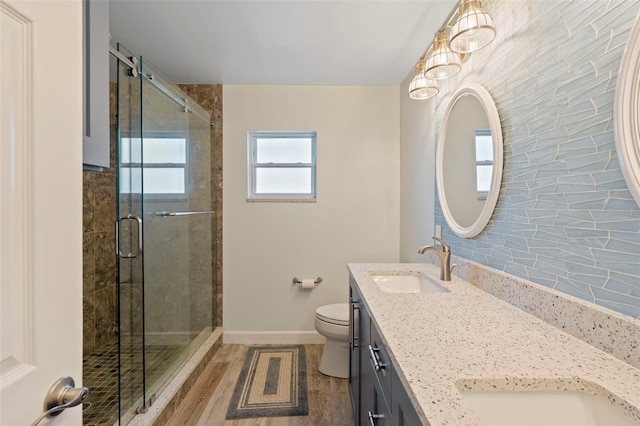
282,165
484,162
158,163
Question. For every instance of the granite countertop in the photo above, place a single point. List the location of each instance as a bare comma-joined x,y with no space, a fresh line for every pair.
466,338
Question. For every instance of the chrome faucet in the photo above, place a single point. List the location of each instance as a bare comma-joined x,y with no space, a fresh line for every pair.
445,258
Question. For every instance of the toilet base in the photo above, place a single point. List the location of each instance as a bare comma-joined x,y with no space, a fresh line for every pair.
335,359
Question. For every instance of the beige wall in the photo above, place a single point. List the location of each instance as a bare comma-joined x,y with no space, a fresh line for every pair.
356,217
417,174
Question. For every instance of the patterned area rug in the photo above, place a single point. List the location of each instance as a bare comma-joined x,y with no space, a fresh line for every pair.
272,382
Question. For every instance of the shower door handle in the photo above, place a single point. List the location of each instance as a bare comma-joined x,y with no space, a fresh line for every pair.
138,252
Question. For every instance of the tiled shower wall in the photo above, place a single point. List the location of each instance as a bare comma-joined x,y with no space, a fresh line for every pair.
565,217
99,275
99,211
209,97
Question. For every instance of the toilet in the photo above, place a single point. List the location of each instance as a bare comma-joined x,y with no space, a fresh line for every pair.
332,321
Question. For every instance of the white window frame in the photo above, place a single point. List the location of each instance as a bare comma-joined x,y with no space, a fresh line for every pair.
482,195
177,196
252,137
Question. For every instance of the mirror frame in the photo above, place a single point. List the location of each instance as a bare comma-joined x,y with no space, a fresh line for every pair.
627,112
491,111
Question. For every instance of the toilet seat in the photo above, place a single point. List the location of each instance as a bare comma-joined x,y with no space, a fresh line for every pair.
337,314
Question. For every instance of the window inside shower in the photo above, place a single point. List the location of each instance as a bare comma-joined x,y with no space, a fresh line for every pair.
164,170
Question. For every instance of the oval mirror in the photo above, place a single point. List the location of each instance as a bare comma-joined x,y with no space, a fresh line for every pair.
469,160
627,112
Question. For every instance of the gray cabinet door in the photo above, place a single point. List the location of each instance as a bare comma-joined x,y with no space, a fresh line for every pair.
404,413
354,351
367,377
379,414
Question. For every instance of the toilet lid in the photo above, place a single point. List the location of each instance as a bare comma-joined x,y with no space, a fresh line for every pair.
338,313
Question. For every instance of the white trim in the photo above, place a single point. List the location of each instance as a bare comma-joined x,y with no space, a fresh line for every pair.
485,99
252,164
626,112
272,337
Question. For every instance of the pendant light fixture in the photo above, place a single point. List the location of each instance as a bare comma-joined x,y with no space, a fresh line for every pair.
420,86
442,63
473,29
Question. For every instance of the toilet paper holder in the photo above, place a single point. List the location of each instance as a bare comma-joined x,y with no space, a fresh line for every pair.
297,280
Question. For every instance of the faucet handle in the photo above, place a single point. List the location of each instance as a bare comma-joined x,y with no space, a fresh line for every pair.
445,246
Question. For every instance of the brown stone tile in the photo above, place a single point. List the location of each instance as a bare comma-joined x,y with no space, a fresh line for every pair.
105,316
88,329
88,201
105,260
88,263
113,105
105,203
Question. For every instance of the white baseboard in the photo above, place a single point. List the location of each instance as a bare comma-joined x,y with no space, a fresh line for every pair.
272,337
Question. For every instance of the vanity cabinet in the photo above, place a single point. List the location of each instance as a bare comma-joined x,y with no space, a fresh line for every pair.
378,397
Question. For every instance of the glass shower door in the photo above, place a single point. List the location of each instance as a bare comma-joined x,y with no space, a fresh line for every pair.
166,169
165,230
129,243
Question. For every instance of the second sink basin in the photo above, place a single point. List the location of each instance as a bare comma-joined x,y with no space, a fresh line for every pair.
544,408
407,282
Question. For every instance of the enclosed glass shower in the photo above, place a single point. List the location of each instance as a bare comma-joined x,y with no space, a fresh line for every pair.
164,232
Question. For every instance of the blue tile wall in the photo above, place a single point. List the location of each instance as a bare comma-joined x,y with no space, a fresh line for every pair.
565,218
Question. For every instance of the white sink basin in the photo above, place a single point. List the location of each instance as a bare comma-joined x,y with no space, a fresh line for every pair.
407,282
544,408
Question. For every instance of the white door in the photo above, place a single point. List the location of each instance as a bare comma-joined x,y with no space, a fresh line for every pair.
40,205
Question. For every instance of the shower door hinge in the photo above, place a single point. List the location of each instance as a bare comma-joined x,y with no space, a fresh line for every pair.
145,408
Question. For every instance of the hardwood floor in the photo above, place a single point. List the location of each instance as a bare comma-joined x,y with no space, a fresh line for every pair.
207,402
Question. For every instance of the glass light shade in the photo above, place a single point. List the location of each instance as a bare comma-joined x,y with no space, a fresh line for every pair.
421,87
473,29
442,63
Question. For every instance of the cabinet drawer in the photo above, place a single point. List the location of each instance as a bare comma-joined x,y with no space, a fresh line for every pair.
380,413
380,362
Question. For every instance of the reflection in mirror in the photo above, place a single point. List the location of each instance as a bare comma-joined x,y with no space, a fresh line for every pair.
469,167
461,166
484,162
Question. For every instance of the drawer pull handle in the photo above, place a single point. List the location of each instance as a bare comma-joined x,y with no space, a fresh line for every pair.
377,365
352,326
373,417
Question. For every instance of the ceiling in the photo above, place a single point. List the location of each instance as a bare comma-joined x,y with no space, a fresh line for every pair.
302,42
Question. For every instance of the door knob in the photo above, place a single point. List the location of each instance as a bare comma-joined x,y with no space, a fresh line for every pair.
62,395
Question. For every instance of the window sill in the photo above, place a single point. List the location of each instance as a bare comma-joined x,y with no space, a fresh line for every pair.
282,200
